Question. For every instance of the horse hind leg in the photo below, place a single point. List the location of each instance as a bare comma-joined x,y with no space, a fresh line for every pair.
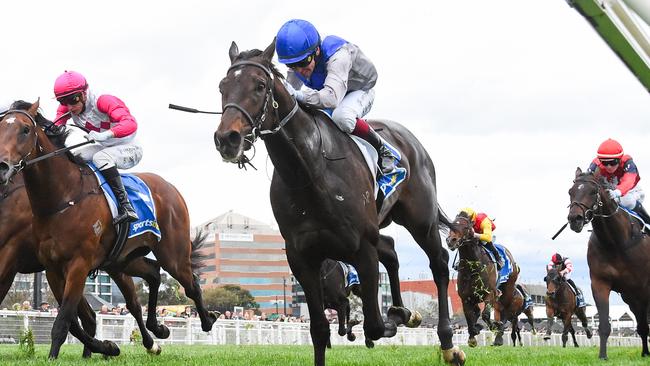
580,313
127,287
149,270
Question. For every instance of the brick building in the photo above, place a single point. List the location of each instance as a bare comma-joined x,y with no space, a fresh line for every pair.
248,253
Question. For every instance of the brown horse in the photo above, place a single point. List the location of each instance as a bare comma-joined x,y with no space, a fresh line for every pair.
322,192
618,254
18,251
561,302
73,225
477,283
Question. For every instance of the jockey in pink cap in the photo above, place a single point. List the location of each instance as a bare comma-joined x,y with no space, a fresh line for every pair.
111,126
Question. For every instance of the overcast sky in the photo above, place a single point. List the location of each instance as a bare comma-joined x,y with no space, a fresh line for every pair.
508,97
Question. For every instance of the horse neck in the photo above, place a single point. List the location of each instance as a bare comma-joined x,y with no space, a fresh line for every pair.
295,149
614,228
470,252
51,181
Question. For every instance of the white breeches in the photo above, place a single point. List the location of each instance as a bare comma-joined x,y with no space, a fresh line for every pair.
632,197
122,156
354,105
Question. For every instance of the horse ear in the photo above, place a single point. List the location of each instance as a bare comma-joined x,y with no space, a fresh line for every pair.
269,51
233,52
578,172
33,110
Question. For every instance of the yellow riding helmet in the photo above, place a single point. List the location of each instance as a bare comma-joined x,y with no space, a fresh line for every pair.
470,212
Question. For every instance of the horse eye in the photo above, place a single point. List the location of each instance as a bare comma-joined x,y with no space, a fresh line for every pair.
25,130
261,86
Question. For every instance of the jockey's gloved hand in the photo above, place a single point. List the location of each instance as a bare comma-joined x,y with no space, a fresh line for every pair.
614,194
100,136
294,93
477,236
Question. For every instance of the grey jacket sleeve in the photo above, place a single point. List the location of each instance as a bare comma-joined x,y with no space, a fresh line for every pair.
336,83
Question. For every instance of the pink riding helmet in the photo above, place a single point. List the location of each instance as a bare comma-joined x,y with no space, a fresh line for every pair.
68,83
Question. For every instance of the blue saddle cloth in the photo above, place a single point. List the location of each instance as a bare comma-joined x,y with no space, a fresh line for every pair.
351,275
141,199
506,270
646,225
388,182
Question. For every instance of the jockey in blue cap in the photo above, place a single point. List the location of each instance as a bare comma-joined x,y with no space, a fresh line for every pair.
332,74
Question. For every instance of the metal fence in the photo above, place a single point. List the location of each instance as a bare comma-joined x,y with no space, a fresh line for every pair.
119,328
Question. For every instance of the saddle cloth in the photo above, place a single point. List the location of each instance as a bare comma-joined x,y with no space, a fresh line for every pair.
506,270
140,197
528,301
350,274
646,225
387,183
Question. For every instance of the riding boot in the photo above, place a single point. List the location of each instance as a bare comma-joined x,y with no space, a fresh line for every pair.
496,254
125,211
580,297
642,212
386,159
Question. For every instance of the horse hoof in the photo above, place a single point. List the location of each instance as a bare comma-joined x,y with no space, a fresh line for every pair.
111,349
207,326
155,349
351,337
398,314
390,329
370,343
162,332
454,356
472,342
415,320
87,353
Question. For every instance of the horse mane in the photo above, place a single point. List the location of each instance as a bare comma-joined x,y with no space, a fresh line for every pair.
56,136
247,55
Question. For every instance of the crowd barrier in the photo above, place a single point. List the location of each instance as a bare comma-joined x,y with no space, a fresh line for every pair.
120,329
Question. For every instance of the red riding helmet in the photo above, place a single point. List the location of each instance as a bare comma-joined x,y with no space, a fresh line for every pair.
557,258
610,149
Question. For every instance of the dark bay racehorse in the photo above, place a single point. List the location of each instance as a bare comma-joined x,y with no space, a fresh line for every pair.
336,293
561,302
477,283
73,225
322,192
618,254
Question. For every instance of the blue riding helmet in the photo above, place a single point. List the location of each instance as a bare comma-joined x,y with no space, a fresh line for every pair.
296,40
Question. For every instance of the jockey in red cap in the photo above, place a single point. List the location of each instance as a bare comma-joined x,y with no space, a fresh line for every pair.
620,172
566,267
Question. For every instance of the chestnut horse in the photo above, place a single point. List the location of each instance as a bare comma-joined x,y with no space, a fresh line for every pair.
322,192
561,302
73,225
618,254
477,283
18,251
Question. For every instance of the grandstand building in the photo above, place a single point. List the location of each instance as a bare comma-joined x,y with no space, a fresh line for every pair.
251,254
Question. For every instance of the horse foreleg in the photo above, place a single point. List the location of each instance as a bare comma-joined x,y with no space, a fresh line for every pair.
640,310
550,314
368,268
513,333
340,314
601,291
308,275
88,321
580,313
69,293
531,320
471,311
573,335
486,316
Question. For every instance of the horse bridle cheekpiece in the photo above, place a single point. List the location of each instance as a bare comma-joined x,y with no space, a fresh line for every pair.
256,123
463,239
590,212
23,161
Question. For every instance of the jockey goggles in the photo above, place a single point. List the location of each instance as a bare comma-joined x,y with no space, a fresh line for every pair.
612,162
70,99
302,63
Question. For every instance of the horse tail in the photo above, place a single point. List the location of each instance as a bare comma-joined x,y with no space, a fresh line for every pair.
198,258
444,223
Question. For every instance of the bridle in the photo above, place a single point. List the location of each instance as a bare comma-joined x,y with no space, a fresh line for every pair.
588,213
464,239
269,100
20,165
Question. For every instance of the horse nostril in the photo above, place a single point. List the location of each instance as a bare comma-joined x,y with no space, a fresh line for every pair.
4,166
233,138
